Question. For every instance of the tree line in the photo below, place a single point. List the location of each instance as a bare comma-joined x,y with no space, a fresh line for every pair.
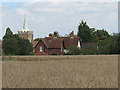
107,44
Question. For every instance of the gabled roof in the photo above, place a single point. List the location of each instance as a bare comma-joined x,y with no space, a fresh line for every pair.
59,42
52,43
71,42
35,43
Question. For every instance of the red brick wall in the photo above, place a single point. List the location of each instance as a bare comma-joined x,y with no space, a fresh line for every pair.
38,47
56,51
46,50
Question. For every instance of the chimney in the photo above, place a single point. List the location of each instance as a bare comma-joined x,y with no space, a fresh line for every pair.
50,35
55,34
72,34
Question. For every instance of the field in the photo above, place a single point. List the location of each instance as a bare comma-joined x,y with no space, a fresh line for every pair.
90,71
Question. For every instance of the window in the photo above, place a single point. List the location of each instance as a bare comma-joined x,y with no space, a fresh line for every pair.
40,48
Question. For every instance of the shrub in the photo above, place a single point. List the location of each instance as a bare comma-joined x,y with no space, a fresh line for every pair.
54,53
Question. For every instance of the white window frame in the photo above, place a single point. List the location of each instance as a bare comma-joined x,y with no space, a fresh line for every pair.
41,48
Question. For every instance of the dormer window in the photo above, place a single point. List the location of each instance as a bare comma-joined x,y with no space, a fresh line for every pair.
40,48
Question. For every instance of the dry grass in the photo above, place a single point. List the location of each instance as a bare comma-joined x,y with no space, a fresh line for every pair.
60,72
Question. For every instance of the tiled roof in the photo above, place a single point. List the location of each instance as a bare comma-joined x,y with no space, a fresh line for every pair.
52,43
35,43
60,42
70,41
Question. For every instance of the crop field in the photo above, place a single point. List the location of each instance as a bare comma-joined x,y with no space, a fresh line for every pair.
83,71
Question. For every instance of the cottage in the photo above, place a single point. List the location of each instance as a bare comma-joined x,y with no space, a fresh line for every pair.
56,45
25,33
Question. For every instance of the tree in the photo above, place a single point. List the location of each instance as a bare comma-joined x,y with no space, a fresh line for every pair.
8,34
14,45
36,39
110,45
84,32
25,47
101,34
10,46
9,43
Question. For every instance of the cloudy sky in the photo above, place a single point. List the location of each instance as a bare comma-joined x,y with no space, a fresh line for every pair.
46,17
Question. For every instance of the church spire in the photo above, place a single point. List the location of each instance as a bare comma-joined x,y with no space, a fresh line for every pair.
25,23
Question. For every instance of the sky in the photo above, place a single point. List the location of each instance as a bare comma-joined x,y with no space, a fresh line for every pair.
46,17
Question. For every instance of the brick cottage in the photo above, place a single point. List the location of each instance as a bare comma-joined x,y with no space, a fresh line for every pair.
56,45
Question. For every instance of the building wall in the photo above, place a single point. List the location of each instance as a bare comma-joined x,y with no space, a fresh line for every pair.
26,34
37,48
55,51
48,51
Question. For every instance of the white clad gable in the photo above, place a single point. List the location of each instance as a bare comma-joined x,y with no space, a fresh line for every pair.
79,45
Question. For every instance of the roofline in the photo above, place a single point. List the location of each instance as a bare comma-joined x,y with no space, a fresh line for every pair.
53,38
38,42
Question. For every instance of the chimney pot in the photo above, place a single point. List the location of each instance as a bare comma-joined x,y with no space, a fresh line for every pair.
72,34
55,34
50,35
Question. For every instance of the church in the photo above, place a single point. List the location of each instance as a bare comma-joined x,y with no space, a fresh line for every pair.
25,33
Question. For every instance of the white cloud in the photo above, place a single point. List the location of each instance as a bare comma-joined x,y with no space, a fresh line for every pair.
22,11
48,10
73,0
45,17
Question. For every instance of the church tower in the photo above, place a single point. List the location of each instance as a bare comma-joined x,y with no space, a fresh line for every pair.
25,33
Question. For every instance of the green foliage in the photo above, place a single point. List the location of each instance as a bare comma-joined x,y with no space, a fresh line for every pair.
8,34
89,35
10,46
73,50
101,34
14,45
110,45
84,32
8,31
25,47
37,39
90,50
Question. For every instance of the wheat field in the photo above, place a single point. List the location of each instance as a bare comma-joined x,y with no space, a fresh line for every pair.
83,71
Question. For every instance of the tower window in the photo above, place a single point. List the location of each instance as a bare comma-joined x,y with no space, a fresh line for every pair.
40,48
